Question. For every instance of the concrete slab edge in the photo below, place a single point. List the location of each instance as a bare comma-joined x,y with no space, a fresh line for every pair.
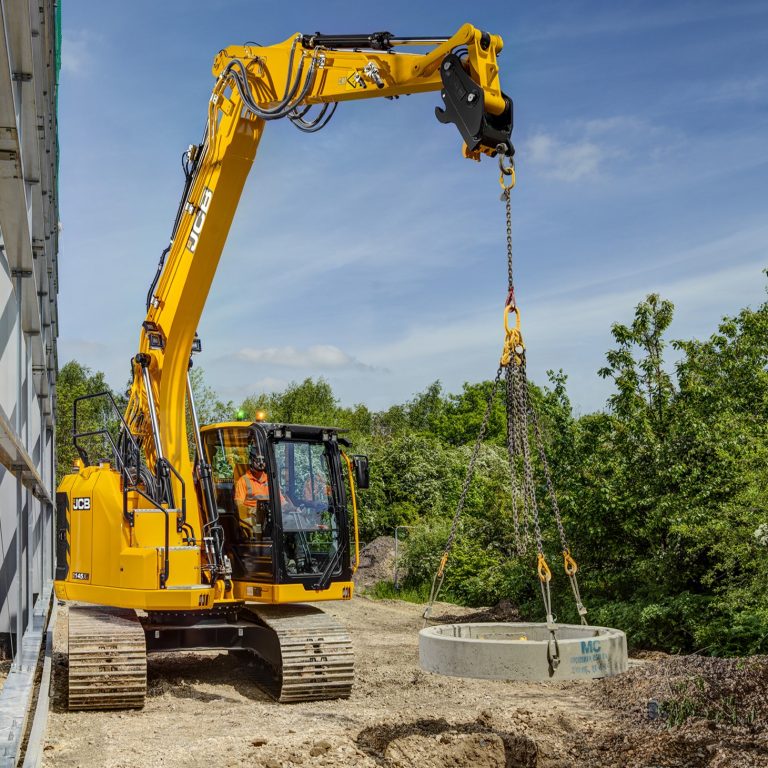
34,754
16,696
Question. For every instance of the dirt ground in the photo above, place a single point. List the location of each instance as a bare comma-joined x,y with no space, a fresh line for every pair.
205,710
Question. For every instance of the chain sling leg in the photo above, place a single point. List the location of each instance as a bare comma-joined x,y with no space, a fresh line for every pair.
437,581
569,564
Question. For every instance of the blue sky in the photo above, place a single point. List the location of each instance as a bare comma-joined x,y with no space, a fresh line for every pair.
372,253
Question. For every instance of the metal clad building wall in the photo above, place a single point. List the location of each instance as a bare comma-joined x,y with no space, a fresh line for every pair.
28,315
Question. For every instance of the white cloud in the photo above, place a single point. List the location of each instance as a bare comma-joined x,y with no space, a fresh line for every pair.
619,19
270,384
76,52
625,124
590,149
746,90
562,160
325,356
83,347
570,327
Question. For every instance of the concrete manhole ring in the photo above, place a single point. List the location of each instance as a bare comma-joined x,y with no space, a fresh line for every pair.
516,651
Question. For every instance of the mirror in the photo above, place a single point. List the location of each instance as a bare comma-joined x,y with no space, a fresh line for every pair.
362,473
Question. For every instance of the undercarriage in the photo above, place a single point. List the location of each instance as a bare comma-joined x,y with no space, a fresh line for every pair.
307,653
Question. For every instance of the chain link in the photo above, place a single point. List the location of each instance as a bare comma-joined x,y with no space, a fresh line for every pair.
506,197
570,564
548,480
523,409
521,537
516,419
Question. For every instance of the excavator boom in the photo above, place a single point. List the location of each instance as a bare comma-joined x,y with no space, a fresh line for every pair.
255,85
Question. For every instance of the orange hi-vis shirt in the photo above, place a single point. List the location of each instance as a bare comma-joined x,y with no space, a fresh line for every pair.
320,486
252,488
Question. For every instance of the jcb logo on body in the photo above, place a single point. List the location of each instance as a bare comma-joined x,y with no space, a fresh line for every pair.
197,225
81,502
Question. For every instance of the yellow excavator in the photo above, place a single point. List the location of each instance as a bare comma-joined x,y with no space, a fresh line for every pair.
219,546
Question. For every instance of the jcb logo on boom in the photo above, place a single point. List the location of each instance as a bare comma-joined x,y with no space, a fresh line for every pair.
81,502
199,222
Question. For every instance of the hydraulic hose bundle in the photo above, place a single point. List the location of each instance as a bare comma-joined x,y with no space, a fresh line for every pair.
295,91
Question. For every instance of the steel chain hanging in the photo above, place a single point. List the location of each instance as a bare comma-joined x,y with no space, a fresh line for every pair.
569,564
520,416
437,581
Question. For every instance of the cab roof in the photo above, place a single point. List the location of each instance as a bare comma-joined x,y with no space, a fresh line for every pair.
278,428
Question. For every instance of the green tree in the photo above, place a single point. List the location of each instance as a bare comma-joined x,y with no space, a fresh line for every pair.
310,402
671,486
76,380
210,408
664,494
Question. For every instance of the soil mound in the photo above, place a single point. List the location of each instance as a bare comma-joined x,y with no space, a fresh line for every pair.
436,743
679,688
685,711
377,562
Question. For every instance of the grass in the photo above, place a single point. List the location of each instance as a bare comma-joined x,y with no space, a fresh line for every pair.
692,698
386,590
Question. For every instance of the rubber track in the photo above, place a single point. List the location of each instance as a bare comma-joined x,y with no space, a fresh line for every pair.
316,653
107,659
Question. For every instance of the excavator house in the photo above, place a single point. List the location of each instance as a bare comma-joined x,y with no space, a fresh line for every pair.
183,536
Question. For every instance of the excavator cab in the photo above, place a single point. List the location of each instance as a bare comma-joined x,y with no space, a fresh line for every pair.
281,492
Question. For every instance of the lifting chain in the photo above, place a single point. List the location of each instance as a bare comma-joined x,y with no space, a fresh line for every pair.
519,506
519,407
521,416
437,581
518,437
569,564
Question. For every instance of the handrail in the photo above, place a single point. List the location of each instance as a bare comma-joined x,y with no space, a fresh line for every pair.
183,517
75,434
130,484
354,509
325,578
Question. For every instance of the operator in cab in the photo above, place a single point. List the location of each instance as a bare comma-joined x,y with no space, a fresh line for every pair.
252,488
317,487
